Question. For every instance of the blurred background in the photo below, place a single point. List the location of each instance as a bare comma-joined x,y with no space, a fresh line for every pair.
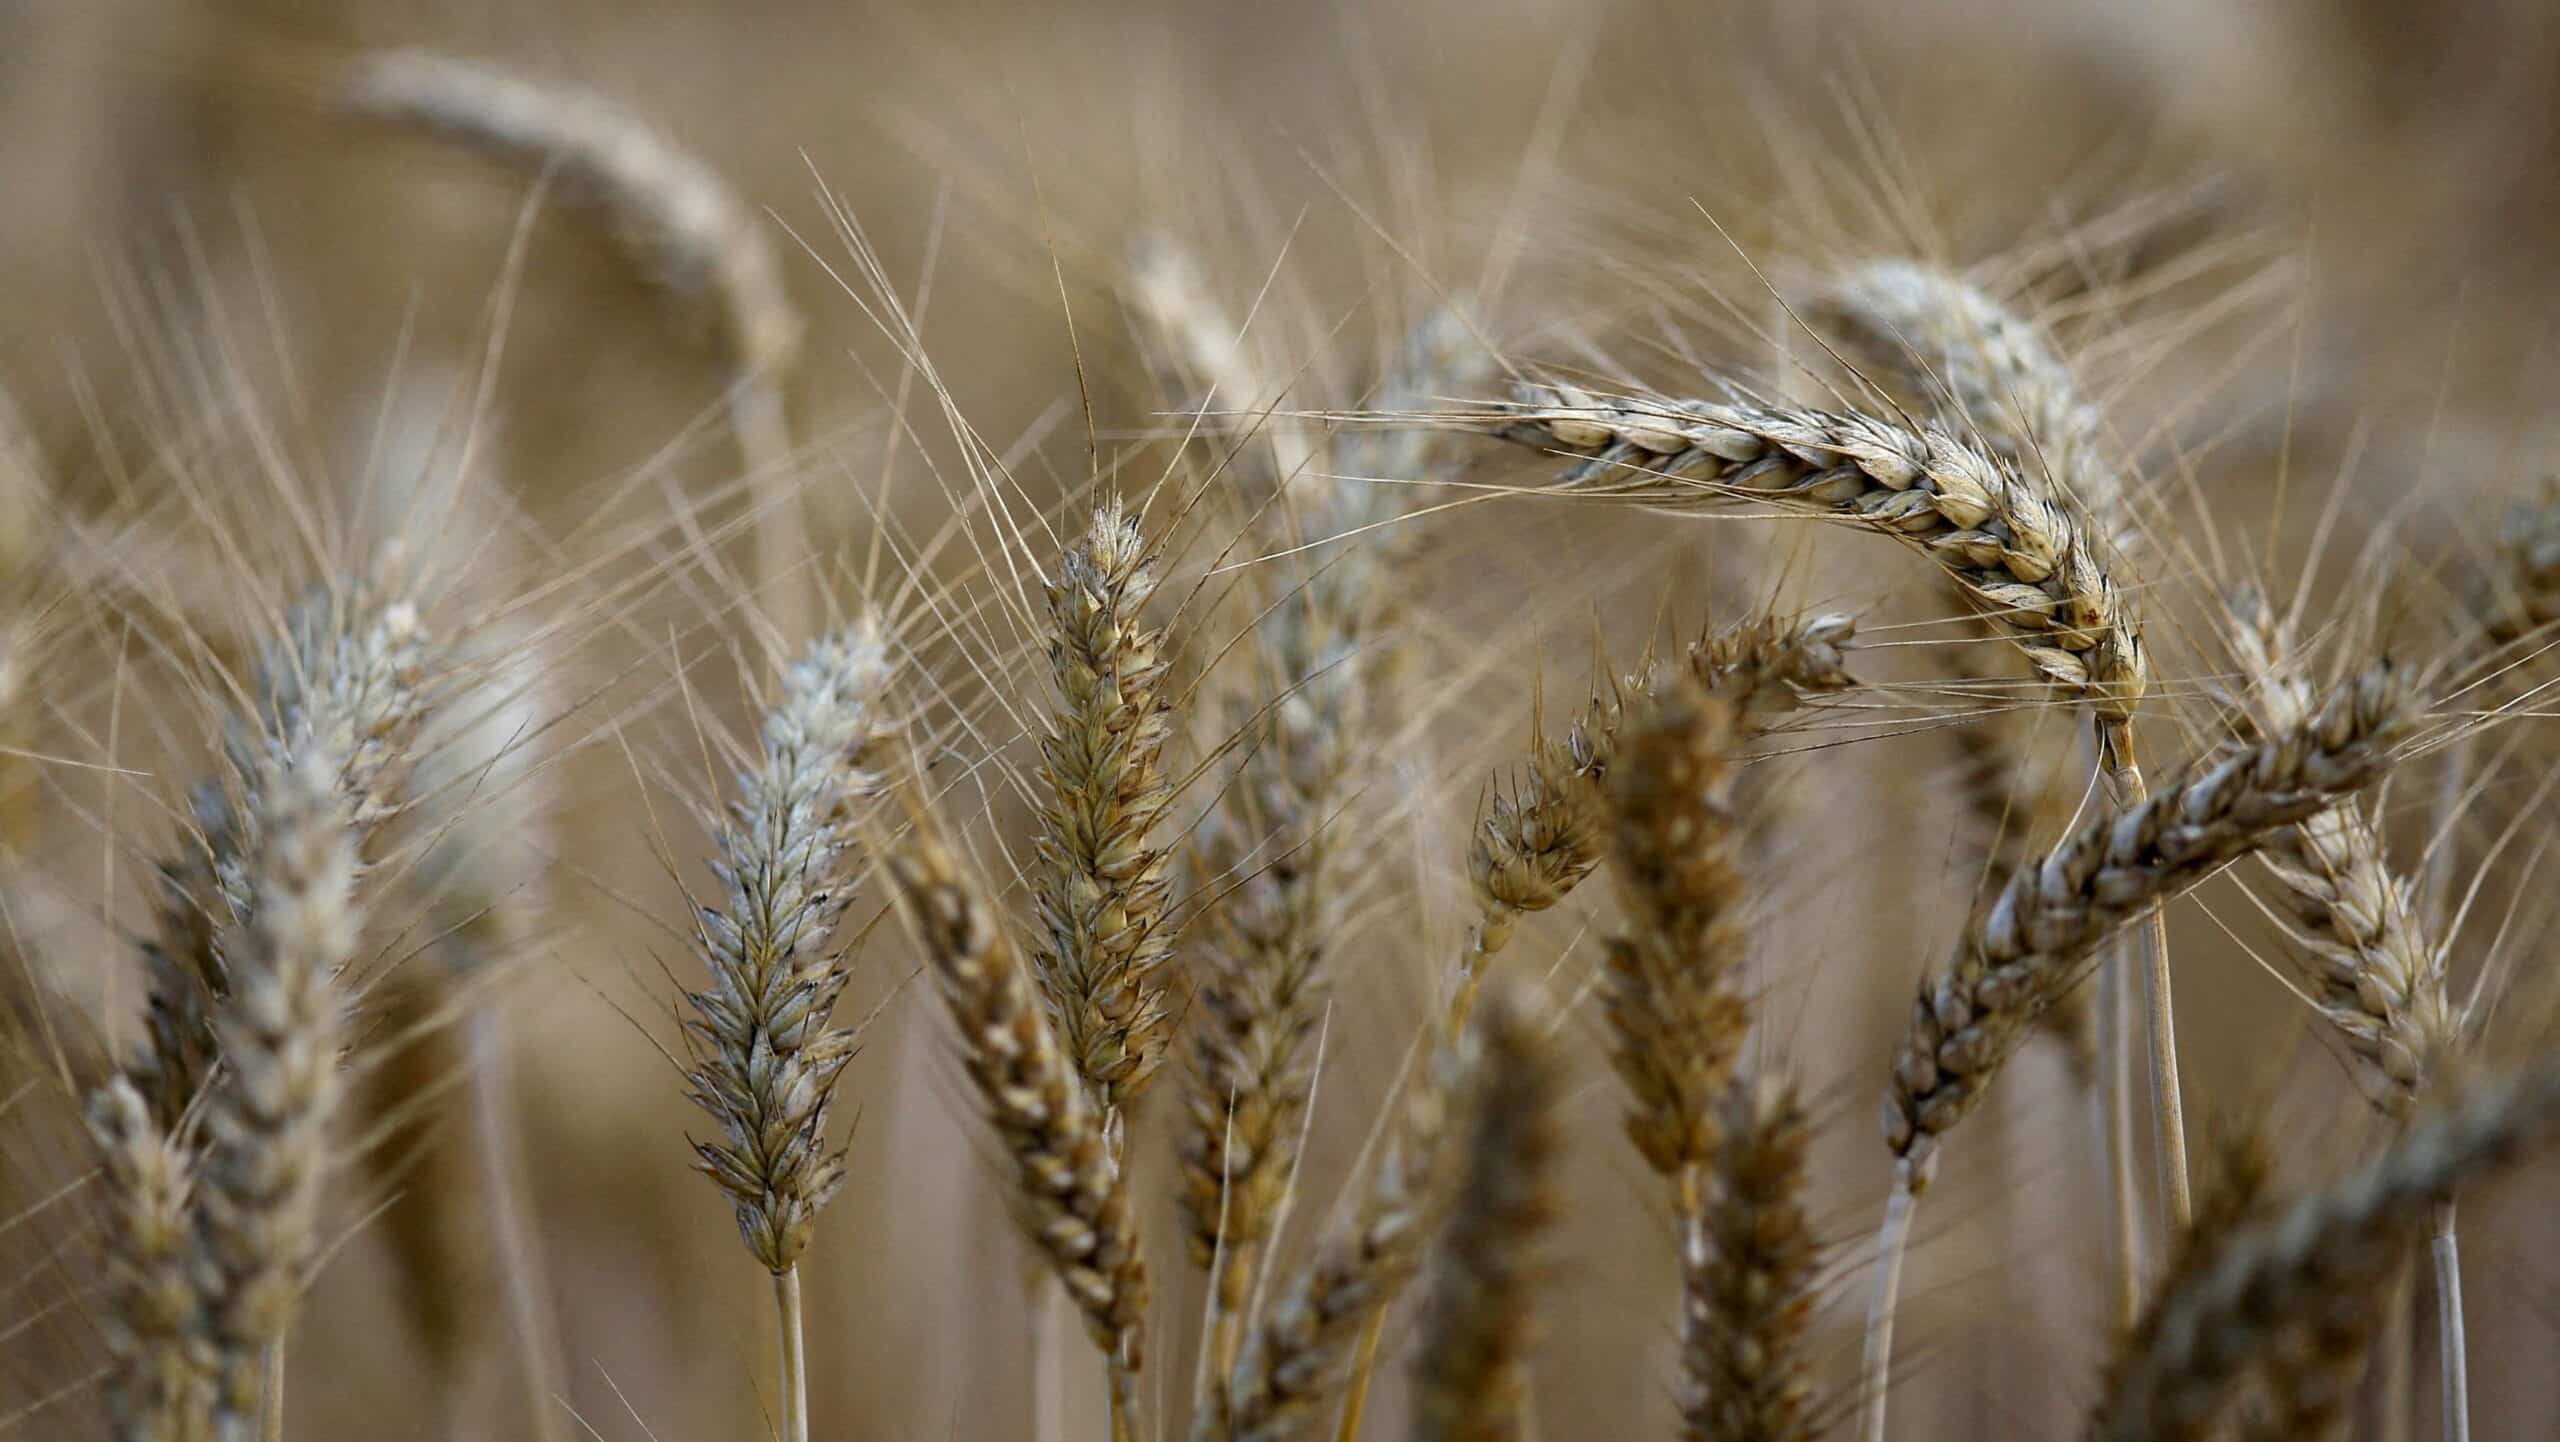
2302,251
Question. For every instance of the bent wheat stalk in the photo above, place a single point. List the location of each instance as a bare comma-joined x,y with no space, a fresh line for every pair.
678,219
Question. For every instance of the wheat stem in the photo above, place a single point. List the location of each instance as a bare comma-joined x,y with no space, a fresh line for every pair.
510,1220
1893,1240
271,1395
2116,1003
795,1355
2452,1340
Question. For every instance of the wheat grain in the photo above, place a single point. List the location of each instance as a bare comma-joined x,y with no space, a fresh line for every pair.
769,1056
1670,983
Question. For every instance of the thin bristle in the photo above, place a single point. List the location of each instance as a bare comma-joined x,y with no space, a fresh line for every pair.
268,1118
2039,935
1748,1269
1670,983
1471,1375
1102,886
1073,1199
769,1056
2306,1276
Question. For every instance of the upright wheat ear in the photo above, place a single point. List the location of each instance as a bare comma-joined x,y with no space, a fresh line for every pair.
768,1053
1471,1376
1671,983
160,1386
1101,880
267,1122
2287,1285
1071,1194
348,673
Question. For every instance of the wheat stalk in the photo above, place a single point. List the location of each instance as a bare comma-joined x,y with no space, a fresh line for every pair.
768,1056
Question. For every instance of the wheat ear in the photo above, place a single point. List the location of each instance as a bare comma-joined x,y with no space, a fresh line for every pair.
1748,1268
680,222
1670,988
2036,938
2367,959
267,1120
1102,889
348,672
160,1386
2314,1266
1944,348
1298,1360
1274,829
768,1055
1470,1376
1537,842
1073,1197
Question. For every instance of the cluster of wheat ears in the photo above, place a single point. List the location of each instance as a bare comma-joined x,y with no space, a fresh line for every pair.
1210,730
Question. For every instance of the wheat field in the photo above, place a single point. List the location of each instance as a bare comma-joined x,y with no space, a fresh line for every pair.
1265,722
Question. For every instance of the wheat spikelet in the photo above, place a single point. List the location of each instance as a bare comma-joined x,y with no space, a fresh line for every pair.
160,1388
1074,1201
1102,889
768,1054
1748,1268
1670,984
2026,559
2525,592
2370,967
2036,937
1300,1354
1471,1373
267,1120
2291,1284
347,676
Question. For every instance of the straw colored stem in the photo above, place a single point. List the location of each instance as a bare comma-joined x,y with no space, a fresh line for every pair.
1893,1241
510,1223
2116,1007
2453,1342
795,1356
